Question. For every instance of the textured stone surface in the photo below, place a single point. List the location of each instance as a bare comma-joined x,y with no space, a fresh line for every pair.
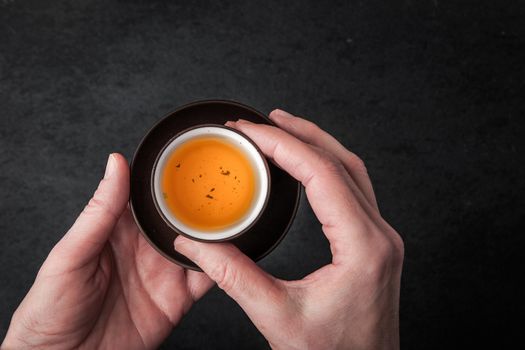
429,93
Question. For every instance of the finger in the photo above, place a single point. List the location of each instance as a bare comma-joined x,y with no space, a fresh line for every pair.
198,283
88,235
336,205
312,134
233,124
253,289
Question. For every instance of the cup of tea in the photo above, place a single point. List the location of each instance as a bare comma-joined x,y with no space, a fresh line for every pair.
210,183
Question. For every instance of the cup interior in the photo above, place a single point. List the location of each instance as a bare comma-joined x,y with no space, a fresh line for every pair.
254,156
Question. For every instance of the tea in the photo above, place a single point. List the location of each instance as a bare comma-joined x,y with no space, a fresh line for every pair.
208,183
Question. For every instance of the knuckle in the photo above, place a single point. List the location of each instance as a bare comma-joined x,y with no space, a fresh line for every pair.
381,261
328,161
322,162
399,248
311,127
225,274
357,163
97,205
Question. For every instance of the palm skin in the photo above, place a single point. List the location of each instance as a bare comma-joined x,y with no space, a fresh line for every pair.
103,285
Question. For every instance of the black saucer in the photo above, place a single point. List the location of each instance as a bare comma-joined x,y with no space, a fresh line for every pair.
274,222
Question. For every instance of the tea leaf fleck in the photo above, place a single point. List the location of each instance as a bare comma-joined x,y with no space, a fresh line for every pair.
165,195
213,189
227,172
177,166
208,196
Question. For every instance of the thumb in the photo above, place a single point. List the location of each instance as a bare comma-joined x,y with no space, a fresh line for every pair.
257,292
88,235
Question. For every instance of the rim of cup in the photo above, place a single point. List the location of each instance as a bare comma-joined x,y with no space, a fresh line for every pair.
252,153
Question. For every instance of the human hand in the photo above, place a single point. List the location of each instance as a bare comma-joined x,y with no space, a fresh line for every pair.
351,303
103,285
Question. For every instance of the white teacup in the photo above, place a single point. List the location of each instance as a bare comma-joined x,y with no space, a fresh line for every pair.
252,153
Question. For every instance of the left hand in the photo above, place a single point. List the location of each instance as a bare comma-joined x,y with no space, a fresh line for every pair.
103,285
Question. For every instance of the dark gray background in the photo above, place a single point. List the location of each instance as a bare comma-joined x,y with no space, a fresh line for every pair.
429,93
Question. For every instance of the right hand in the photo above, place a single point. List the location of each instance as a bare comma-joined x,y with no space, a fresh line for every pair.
351,303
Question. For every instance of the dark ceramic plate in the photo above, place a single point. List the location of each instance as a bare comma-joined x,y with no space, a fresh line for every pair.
262,237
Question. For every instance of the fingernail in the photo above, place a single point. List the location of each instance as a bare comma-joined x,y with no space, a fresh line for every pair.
110,166
243,121
230,124
187,247
280,113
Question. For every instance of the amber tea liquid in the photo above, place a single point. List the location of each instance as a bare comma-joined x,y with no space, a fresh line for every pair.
208,183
